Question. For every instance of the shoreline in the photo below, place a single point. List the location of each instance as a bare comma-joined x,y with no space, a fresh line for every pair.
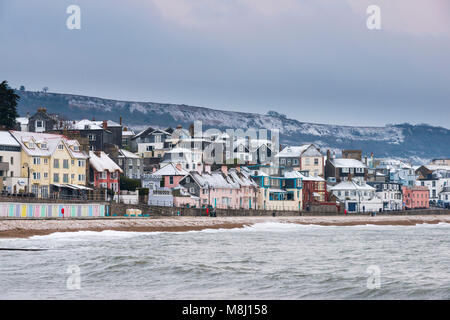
28,228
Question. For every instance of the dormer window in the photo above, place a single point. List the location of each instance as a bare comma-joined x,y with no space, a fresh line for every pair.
43,146
60,147
31,145
76,148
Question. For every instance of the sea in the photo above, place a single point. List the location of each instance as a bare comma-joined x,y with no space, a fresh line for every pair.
263,261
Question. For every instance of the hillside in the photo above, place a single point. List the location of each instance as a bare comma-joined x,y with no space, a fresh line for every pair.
401,141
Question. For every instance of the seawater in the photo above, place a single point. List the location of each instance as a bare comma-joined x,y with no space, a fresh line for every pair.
263,261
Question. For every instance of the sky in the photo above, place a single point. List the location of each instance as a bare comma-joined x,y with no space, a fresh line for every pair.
313,60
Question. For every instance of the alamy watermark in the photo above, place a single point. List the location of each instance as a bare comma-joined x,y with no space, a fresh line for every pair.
74,280
374,20
374,279
73,22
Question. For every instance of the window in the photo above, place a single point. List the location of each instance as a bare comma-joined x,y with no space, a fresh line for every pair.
36,160
192,190
60,146
45,160
66,164
316,161
81,163
72,162
36,175
55,177
188,179
295,162
307,162
66,178
12,161
345,170
92,137
39,124
282,161
45,175
55,163
43,146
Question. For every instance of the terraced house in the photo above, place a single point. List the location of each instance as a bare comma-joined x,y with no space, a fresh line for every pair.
51,161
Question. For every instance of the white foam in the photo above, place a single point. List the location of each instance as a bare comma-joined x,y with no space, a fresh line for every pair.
87,235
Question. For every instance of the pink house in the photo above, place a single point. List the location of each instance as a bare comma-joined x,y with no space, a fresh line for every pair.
416,197
224,188
170,175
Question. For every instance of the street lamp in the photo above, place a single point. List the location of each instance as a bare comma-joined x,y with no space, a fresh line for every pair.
25,165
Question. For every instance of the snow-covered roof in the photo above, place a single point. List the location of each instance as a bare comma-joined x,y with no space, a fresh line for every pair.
297,174
50,140
109,123
437,167
298,151
22,120
218,180
6,139
86,124
127,154
347,163
351,185
170,170
128,133
103,163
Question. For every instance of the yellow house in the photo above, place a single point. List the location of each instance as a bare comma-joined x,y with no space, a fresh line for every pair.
51,159
302,158
278,193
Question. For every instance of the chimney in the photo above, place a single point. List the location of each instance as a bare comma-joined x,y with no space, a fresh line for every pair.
178,166
120,120
154,169
207,168
105,124
349,177
179,126
28,114
238,168
328,154
125,129
97,153
224,169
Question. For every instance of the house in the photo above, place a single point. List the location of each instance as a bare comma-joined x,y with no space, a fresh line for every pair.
105,173
397,171
435,178
127,135
302,158
281,191
10,164
444,197
417,197
151,143
41,121
170,175
189,159
445,162
314,188
357,196
52,162
99,136
131,164
22,123
224,188
340,169
390,193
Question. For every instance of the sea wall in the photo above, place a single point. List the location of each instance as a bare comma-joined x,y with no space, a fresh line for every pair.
51,210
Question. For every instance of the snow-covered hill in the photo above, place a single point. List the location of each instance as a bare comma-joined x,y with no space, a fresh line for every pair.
400,141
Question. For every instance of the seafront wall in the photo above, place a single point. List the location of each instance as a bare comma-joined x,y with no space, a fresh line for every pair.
119,209
51,210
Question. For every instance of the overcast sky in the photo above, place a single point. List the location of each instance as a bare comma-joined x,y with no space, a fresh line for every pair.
314,60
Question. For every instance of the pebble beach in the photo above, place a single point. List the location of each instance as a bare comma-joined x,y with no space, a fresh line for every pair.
26,228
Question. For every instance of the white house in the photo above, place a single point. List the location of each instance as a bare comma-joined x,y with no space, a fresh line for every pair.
10,164
357,196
